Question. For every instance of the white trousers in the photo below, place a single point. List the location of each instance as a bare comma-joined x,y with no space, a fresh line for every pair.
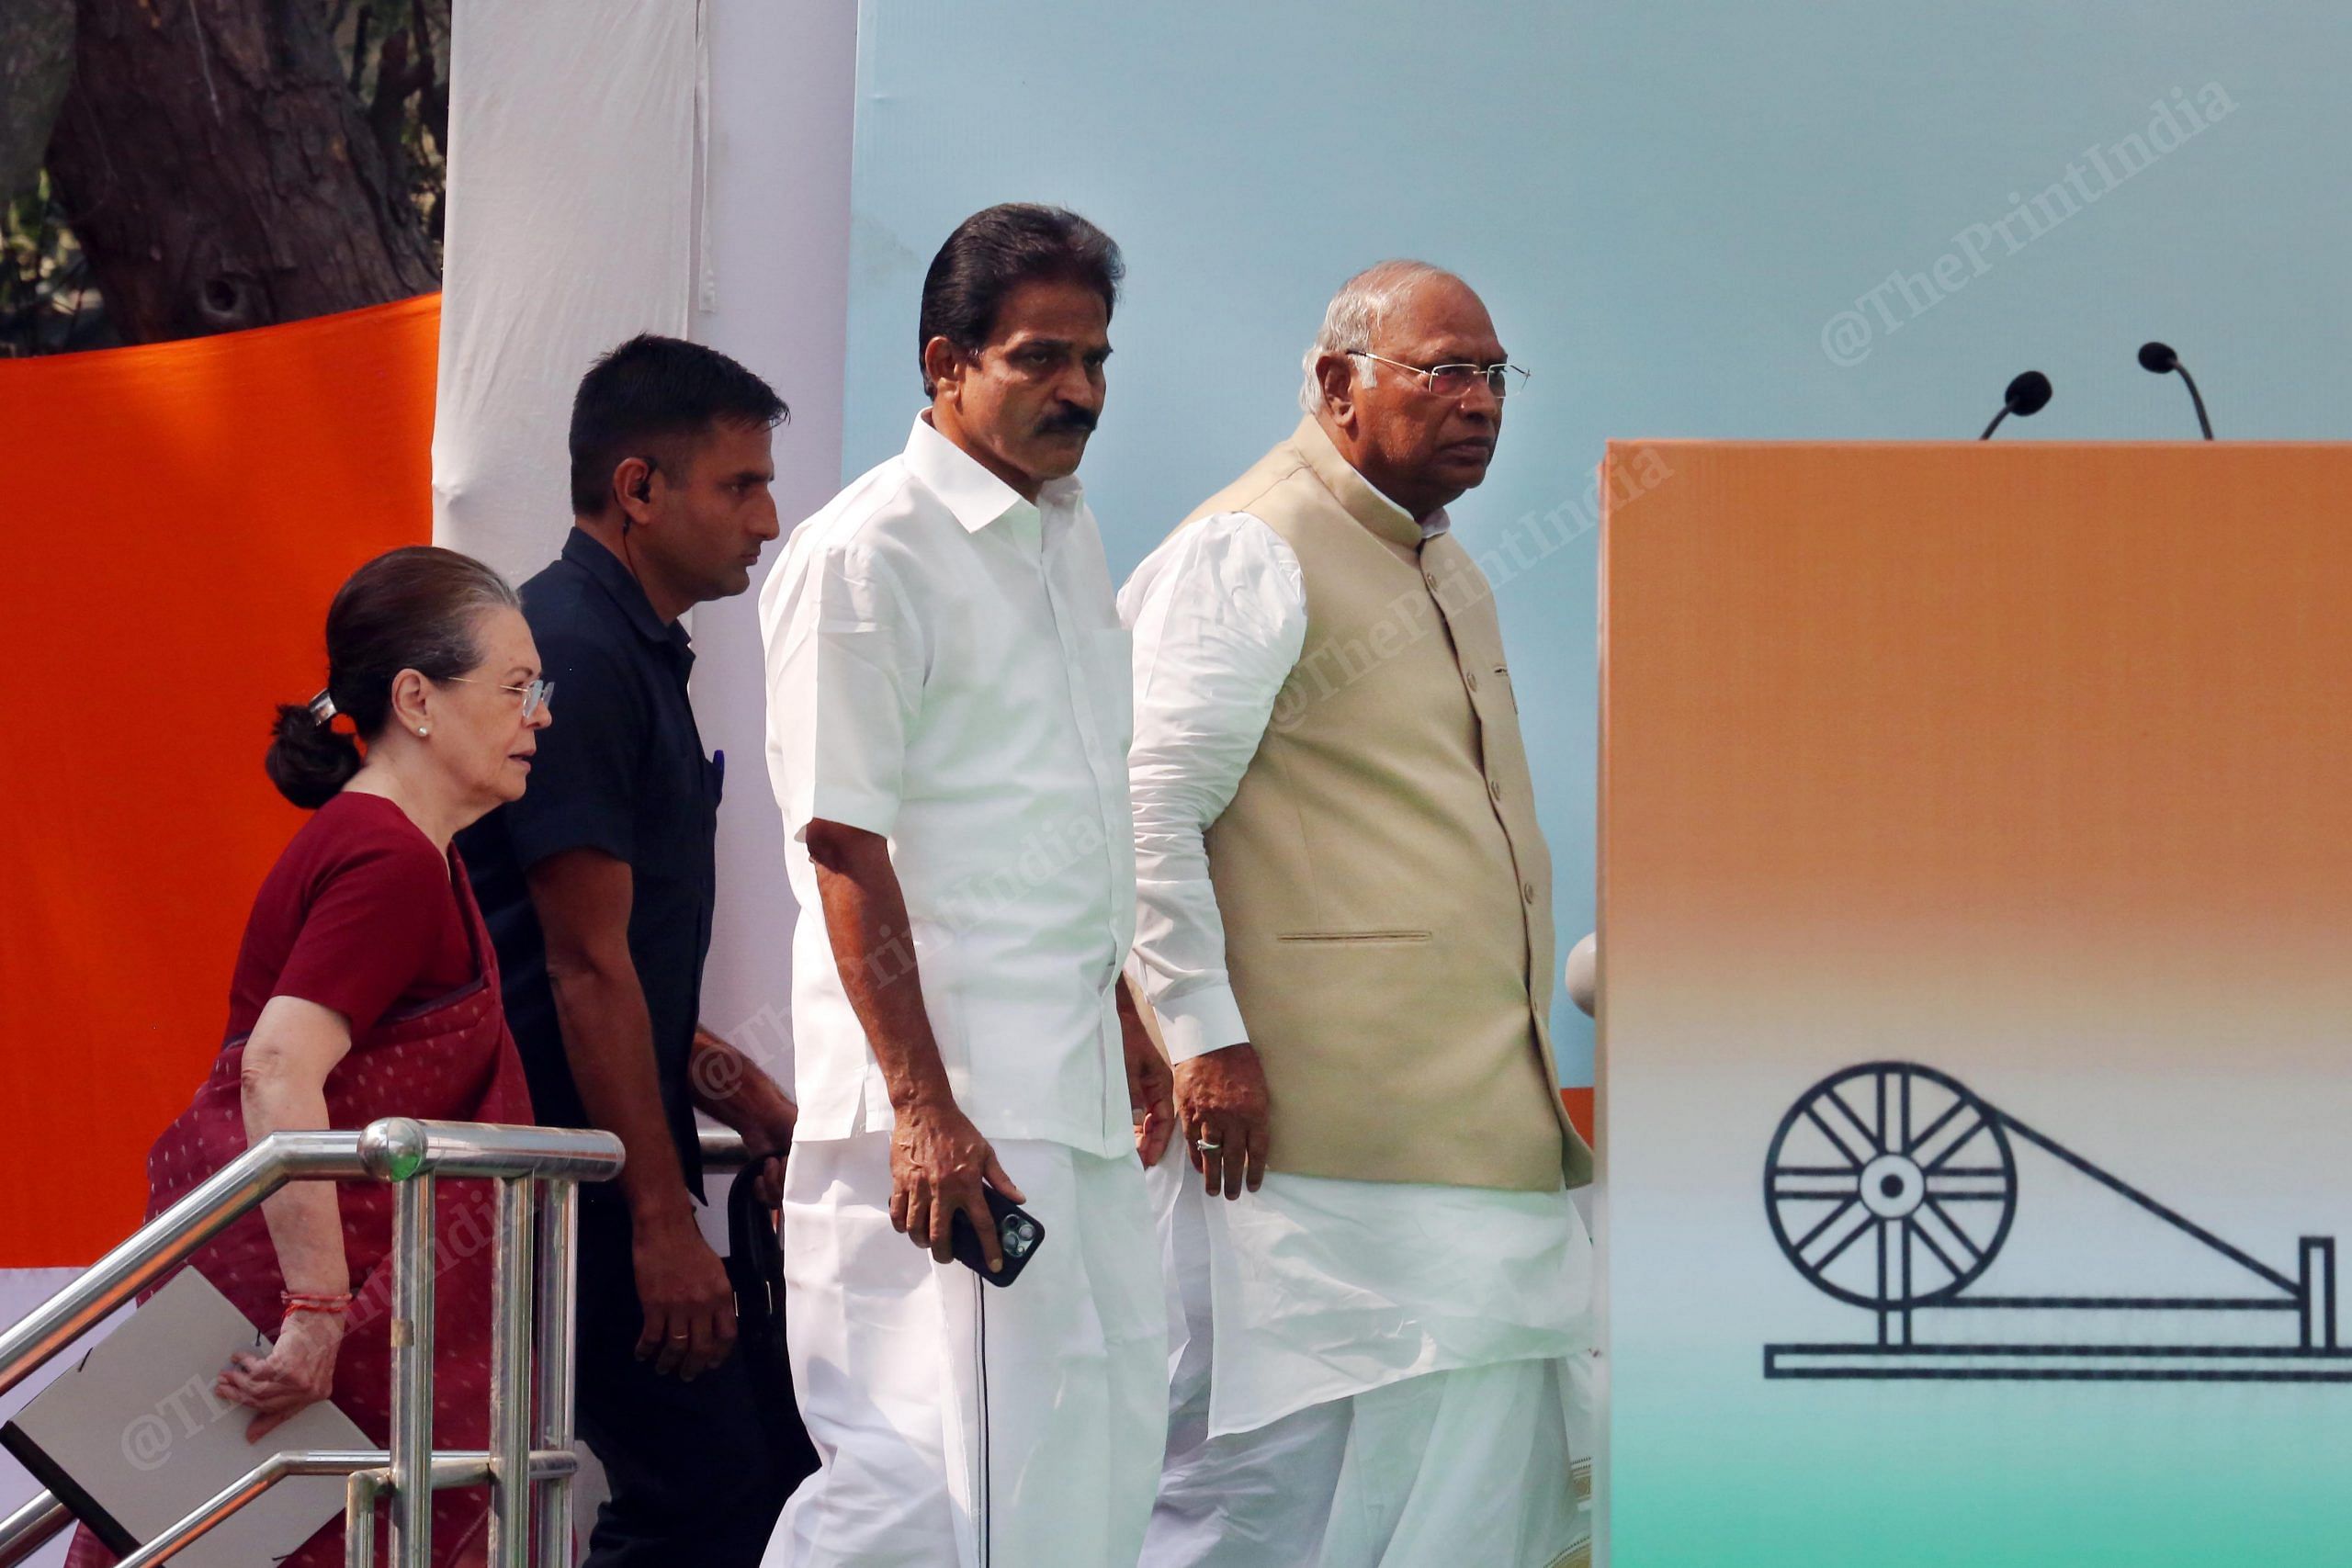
962,1422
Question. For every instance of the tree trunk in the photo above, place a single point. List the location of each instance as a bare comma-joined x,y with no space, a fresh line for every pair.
219,173
35,62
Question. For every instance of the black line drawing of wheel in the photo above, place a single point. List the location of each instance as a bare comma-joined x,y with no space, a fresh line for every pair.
1890,1186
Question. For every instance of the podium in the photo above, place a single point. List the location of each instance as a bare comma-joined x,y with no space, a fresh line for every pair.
1975,1026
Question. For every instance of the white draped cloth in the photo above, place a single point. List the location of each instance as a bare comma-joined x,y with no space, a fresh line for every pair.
964,1425
1321,1289
1399,1374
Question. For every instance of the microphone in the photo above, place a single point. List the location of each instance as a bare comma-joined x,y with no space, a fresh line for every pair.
2159,359
2025,397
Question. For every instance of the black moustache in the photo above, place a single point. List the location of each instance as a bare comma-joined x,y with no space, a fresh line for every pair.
1060,422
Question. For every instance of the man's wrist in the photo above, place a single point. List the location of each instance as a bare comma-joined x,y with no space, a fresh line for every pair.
766,1136
652,1212
924,1099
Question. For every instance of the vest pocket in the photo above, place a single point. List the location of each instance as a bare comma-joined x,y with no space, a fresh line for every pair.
1359,937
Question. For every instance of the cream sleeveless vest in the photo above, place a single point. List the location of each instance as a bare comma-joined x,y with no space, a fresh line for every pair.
1385,893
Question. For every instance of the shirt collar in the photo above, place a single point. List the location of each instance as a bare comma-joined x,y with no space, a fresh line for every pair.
976,496
1359,495
607,571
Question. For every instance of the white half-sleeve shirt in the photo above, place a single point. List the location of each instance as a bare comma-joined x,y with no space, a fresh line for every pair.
947,669
1320,1288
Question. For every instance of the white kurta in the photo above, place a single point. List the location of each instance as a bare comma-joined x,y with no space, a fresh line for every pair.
1311,1291
947,669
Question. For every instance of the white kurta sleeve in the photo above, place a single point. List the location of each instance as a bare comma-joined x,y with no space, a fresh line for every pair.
845,693
1219,617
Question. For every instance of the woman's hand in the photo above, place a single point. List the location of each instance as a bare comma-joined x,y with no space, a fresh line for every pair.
297,1372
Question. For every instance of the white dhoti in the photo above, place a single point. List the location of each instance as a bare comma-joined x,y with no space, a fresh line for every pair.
1374,1375
962,1422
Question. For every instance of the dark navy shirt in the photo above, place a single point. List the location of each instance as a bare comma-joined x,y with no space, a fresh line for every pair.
620,769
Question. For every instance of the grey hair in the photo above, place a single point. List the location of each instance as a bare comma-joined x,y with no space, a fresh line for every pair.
1354,316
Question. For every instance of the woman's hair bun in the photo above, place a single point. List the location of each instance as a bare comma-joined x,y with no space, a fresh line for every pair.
307,760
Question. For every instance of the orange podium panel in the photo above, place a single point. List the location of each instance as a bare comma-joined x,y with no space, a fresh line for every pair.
1976,1024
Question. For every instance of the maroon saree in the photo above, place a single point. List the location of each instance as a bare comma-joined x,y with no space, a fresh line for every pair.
451,1059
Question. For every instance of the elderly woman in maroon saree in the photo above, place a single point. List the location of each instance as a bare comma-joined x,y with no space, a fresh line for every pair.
366,986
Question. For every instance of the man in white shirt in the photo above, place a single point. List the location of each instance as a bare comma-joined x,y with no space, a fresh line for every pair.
948,721
1345,936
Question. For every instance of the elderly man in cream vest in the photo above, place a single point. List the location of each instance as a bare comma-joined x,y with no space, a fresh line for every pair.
1380,1290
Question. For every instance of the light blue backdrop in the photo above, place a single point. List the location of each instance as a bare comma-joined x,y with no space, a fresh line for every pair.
1678,214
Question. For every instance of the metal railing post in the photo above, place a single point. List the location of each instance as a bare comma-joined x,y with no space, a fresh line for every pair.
552,1351
510,1380
359,1493
411,1335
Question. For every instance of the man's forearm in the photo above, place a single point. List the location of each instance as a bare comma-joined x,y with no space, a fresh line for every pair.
731,1085
1130,1019
866,924
608,1041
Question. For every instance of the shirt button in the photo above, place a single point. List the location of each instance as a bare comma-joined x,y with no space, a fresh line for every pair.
1430,578
1471,678
1527,891
1494,789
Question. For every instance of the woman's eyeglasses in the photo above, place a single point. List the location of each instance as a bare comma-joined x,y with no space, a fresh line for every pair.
535,696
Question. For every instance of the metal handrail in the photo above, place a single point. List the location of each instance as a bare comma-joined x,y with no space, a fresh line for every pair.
722,1148
525,1475
168,1239
393,1150
25,1532
451,1467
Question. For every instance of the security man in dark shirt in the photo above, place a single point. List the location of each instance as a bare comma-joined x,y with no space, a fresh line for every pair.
598,886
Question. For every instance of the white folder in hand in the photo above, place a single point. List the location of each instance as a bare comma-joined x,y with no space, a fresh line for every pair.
133,1439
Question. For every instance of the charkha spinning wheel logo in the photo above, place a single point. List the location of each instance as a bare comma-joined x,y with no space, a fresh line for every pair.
1893,1187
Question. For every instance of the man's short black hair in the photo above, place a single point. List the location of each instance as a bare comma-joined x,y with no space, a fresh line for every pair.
997,249
655,392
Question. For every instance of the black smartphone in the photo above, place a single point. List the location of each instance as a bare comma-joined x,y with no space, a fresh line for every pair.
1018,1233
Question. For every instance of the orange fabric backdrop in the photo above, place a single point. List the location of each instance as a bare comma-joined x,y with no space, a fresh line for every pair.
181,516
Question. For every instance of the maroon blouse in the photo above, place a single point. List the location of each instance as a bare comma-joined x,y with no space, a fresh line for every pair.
359,915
